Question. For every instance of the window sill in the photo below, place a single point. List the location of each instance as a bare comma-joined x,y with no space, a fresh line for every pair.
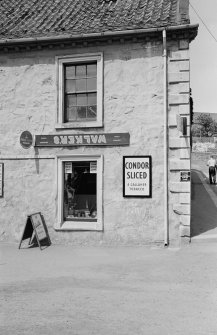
73,125
76,225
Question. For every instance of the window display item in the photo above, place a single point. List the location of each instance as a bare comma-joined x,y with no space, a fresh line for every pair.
80,191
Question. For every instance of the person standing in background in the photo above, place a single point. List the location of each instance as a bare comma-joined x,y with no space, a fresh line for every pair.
212,170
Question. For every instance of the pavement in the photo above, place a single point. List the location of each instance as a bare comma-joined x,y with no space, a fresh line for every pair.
108,291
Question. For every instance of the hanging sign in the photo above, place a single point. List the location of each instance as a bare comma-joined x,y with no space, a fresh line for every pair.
114,139
93,167
185,175
26,139
1,179
137,174
68,167
35,226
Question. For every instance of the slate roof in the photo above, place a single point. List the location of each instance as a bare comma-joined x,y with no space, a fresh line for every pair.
40,18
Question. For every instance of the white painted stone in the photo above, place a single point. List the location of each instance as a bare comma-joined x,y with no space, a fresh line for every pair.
185,65
184,88
179,65
180,54
185,198
177,164
185,153
179,142
172,119
180,187
184,109
185,220
182,209
178,99
173,109
178,77
185,231
177,88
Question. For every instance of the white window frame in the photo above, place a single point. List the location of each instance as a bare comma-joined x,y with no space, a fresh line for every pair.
78,225
83,58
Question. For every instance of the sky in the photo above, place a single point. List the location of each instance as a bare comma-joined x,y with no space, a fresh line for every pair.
203,57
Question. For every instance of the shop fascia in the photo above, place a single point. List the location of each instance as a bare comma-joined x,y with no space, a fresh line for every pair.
114,139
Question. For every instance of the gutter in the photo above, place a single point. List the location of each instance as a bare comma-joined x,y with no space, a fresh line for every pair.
166,220
96,35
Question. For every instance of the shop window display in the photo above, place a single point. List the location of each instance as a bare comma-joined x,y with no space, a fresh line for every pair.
80,191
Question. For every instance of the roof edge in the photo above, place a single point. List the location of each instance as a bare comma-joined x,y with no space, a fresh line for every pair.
106,34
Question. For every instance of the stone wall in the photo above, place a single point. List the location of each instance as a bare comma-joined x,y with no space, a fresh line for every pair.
133,102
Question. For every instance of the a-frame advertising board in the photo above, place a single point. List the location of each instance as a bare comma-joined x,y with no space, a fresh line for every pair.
35,227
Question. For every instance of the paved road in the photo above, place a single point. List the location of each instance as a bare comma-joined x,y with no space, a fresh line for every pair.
108,291
203,206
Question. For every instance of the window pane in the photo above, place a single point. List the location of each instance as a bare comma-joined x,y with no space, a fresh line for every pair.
70,108
70,72
91,70
81,71
91,99
70,100
81,85
82,112
70,86
82,100
80,191
71,113
91,84
91,112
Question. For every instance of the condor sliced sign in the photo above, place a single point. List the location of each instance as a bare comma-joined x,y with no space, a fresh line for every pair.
137,176
82,140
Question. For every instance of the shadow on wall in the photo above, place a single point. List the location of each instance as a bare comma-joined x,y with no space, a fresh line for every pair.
203,204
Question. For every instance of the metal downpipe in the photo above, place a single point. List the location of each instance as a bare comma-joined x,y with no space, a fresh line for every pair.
166,221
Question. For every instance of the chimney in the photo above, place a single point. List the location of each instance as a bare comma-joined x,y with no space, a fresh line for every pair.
183,11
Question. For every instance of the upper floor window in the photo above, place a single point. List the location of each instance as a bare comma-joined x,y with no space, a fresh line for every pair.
80,81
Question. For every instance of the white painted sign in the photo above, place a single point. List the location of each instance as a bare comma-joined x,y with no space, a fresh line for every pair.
137,176
68,167
93,167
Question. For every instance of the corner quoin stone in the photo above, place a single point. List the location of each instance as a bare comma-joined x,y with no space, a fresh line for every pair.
180,187
185,231
182,209
176,164
179,142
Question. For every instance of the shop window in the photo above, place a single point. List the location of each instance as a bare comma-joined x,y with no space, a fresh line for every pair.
80,81
79,193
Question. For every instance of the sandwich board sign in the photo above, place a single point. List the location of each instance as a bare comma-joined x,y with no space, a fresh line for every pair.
35,227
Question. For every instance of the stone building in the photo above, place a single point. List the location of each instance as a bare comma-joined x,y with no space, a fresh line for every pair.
94,120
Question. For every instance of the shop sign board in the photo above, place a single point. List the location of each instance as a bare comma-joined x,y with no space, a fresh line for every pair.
137,176
35,226
26,139
1,179
185,175
68,167
66,140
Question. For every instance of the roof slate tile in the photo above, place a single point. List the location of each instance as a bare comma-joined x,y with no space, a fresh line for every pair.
40,18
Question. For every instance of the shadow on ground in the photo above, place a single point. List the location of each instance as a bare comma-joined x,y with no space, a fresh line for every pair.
203,208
